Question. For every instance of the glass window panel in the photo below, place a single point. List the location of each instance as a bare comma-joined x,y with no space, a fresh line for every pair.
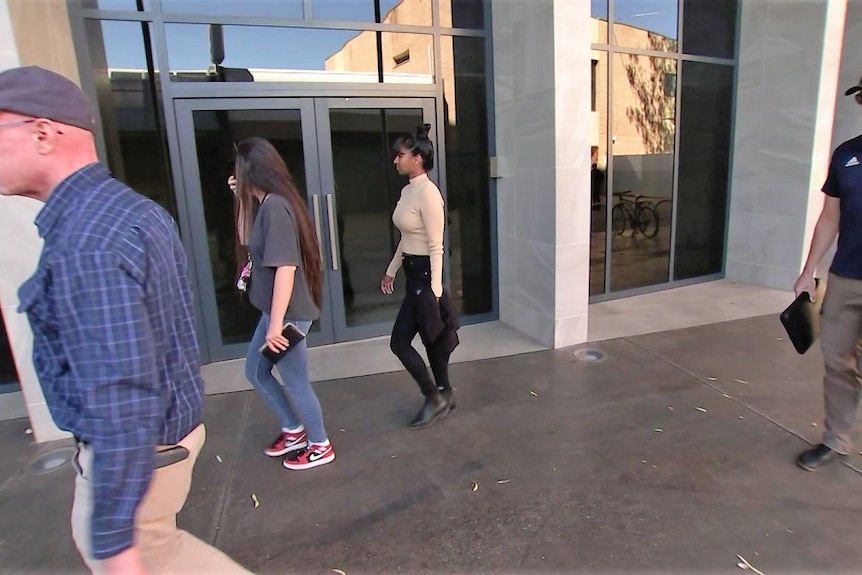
465,121
709,27
598,173
704,157
405,12
268,8
599,10
462,13
646,24
128,95
407,58
115,4
265,54
8,373
642,137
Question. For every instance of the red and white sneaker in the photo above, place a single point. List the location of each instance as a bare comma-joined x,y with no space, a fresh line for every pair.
287,442
314,456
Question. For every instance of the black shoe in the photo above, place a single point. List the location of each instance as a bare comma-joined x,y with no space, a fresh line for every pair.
434,408
449,397
815,458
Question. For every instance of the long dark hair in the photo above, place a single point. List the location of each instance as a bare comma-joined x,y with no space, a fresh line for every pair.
259,166
419,145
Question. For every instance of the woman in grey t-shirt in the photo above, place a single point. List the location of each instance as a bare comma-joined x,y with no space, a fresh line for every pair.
286,286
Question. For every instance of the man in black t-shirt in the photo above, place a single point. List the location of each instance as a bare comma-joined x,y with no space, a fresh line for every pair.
841,320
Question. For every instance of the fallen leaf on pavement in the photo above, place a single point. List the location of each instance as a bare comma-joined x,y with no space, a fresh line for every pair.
745,565
502,481
219,459
742,381
813,424
657,430
475,487
255,500
712,379
700,409
339,572
28,431
534,394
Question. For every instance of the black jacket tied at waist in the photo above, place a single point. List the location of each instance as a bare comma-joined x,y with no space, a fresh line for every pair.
437,320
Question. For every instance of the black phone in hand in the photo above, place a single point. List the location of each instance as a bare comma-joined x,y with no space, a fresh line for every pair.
292,334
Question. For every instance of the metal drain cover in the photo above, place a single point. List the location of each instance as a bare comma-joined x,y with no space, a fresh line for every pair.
588,355
52,460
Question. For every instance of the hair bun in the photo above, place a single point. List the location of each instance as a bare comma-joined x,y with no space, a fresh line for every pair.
422,131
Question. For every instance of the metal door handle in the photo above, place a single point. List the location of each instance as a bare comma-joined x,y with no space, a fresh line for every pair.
333,232
318,224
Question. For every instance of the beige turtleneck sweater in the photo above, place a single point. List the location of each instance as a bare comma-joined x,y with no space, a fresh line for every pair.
420,217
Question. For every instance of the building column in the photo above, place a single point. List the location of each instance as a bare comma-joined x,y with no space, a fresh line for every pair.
786,94
20,245
542,104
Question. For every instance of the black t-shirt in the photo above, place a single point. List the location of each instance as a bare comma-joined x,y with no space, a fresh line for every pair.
274,242
845,183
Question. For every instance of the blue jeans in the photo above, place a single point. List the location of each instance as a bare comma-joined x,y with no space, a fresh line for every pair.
293,369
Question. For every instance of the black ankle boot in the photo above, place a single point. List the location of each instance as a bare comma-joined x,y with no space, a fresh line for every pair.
449,397
435,407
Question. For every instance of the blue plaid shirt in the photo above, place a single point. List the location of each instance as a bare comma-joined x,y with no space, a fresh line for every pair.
115,349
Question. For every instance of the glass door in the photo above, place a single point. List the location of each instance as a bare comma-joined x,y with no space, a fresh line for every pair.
361,187
340,153
208,129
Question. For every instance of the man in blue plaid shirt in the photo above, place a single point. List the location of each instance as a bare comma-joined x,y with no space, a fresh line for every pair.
114,343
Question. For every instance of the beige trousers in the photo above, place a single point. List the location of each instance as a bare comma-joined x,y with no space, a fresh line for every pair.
841,341
164,548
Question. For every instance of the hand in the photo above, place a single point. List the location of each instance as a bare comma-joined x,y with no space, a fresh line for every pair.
805,283
275,341
387,285
126,563
231,183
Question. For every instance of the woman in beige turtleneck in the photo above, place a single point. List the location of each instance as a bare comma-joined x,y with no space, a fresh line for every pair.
421,218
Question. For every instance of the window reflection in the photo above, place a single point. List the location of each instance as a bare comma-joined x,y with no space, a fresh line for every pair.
8,373
128,93
116,4
465,121
462,13
598,172
268,8
265,54
709,28
646,24
599,11
643,134
704,158
405,12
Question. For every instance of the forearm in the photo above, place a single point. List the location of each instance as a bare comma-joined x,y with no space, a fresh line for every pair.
825,234
121,472
282,290
395,264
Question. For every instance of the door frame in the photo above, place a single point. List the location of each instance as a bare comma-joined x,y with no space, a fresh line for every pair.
342,331
319,169
192,196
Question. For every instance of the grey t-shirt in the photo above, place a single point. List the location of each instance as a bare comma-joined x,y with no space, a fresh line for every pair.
274,242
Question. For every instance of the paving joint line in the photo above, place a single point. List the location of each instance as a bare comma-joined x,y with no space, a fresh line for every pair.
717,389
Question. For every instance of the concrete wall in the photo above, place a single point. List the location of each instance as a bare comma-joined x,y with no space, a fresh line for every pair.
542,102
788,55
21,23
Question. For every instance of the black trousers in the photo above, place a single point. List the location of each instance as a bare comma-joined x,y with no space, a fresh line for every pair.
417,269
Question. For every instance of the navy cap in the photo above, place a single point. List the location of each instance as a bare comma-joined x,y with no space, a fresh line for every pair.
39,93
